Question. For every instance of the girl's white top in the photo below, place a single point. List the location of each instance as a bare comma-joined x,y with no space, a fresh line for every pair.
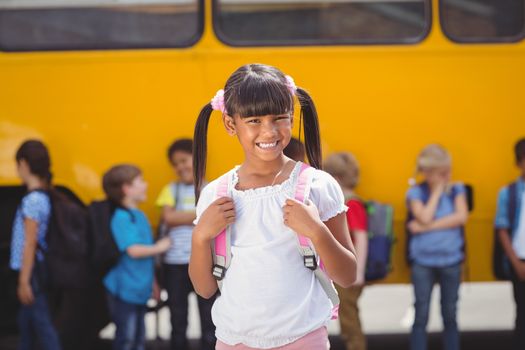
269,298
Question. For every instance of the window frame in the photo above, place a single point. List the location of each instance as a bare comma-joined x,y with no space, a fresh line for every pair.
308,43
494,40
194,40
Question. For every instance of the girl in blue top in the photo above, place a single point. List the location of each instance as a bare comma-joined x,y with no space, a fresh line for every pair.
438,211
28,245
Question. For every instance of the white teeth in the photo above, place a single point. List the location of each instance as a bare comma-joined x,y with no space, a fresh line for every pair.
267,145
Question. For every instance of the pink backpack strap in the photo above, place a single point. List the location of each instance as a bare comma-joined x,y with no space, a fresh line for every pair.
221,248
306,248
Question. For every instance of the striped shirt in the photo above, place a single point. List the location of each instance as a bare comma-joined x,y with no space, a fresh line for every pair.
181,197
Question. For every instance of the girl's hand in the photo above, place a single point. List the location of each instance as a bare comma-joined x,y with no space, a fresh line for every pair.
216,218
25,293
301,218
415,226
439,187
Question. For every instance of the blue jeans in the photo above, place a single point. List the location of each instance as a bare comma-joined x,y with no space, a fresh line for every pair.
423,279
34,321
129,320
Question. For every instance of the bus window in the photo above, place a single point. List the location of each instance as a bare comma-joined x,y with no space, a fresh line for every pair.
33,25
482,20
320,22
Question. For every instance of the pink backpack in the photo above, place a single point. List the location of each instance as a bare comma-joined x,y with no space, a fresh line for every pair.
222,243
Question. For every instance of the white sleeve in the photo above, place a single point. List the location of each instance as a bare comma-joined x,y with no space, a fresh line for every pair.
327,195
206,198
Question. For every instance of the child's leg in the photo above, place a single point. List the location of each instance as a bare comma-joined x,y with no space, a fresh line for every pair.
124,316
356,339
25,327
43,325
208,338
178,285
449,281
351,331
140,336
423,281
519,330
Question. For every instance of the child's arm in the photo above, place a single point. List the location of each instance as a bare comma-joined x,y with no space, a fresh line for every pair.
361,248
142,251
25,293
517,264
331,239
456,219
213,220
424,213
173,217
503,227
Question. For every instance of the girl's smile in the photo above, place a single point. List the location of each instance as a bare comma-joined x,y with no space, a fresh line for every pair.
262,136
267,145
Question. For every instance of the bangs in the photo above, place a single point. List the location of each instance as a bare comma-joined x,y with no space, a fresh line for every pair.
258,96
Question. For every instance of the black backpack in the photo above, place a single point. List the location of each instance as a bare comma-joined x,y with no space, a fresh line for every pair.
67,237
105,253
501,266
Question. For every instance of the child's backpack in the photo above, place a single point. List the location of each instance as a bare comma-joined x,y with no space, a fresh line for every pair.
105,254
501,266
221,249
380,239
67,237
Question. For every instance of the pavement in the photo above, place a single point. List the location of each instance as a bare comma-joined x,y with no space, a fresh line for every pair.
485,318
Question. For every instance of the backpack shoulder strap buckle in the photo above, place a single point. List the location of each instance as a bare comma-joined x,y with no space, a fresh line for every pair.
309,258
218,272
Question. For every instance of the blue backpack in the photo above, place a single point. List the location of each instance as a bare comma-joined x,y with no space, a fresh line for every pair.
380,239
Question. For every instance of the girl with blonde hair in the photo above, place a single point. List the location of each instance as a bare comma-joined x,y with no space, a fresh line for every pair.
437,213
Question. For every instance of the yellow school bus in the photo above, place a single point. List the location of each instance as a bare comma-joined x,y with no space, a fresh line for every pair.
111,81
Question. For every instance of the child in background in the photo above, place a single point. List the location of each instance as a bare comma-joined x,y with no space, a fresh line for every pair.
511,234
295,150
270,296
344,168
177,201
438,211
28,246
130,283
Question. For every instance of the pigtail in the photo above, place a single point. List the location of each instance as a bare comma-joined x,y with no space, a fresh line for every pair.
312,138
48,178
200,148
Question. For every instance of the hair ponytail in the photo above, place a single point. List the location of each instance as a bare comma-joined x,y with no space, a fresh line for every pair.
49,180
312,138
200,148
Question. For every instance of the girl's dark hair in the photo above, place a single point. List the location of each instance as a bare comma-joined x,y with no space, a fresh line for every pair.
183,145
519,150
35,153
295,150
257,90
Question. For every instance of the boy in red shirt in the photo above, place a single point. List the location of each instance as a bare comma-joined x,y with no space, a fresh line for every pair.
344,168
